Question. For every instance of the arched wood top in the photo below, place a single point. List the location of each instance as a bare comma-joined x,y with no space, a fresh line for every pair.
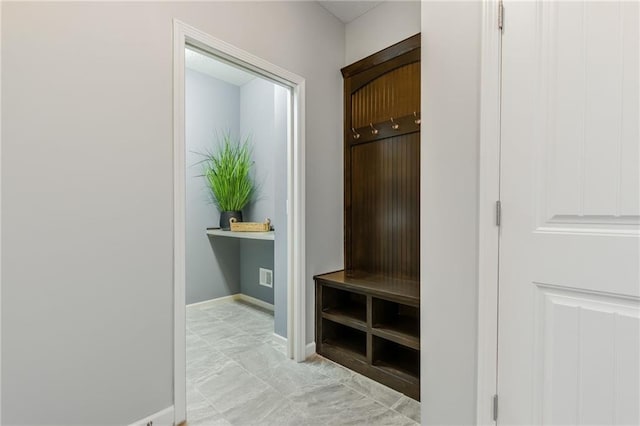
393,94
400,48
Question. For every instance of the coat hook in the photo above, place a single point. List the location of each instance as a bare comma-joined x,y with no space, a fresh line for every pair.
417,120
394,125
356,135
374,131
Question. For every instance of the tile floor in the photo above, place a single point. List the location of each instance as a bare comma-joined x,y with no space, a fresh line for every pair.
237,374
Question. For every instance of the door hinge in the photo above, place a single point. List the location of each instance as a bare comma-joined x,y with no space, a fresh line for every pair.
500,15
495,407
498,212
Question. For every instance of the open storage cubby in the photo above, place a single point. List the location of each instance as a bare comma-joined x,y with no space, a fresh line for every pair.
345,307
385,346
397,359
397,322
368,315
343,337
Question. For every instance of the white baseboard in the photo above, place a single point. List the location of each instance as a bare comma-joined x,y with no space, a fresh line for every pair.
280,338
254,301
212,301
161,418
237,296
310,349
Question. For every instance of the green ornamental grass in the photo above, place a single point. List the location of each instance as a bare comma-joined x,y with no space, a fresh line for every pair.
228,173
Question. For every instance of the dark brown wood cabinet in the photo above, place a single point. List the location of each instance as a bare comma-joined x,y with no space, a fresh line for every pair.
368,316
371,324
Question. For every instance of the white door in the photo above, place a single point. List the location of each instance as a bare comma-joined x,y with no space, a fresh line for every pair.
568,350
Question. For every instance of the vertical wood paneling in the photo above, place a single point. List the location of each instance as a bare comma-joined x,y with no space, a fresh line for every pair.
385,208
394,94
382,172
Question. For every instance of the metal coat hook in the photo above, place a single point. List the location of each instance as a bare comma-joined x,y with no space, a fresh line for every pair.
394,125
417,120
374,131
356,135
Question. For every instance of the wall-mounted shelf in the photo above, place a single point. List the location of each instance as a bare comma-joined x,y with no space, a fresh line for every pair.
217,232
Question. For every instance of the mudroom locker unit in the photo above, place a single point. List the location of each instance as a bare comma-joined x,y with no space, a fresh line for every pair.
368,315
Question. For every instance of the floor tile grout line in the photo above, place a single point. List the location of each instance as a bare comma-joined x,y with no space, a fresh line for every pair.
235,362
260,318
372,398
395,404
213,408
242,368
386,408
251,374
286,397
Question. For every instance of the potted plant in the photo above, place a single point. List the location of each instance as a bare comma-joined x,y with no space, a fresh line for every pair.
227,172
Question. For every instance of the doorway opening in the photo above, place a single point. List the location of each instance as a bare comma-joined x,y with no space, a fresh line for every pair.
236,282
225,104
222,90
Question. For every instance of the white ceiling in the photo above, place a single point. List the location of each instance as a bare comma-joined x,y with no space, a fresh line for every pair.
347,10
217,69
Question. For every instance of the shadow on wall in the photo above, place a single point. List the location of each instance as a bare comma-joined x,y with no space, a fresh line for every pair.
225,252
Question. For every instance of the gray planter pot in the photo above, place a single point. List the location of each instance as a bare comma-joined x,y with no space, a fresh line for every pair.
224,219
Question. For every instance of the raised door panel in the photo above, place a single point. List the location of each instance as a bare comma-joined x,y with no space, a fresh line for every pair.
590,348
587,116
569,273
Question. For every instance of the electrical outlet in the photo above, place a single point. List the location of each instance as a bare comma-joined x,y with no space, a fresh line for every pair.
266,277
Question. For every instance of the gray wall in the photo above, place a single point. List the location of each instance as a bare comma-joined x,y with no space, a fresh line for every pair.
257,122
255,254
257,115
87,192
211,107
449,210
263,115
280,214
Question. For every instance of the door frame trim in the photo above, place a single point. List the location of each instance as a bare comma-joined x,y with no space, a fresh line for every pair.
1,1
183,35
488,232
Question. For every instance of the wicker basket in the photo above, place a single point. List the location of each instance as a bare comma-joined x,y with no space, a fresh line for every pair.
250,226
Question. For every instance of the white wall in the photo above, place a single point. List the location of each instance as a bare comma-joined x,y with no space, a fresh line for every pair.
87,292
382,26
212,107
449,212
